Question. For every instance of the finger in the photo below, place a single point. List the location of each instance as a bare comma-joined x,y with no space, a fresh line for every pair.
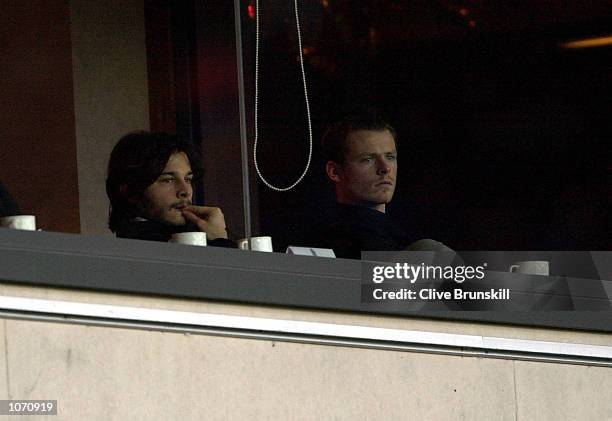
201,210
214,230
193,218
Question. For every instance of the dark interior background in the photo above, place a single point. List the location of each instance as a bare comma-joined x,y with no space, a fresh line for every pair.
504,134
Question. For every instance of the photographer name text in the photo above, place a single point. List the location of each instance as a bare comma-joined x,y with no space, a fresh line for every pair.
432,294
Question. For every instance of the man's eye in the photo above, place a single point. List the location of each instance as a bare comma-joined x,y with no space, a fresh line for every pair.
167,180
366,159
189,180
391,157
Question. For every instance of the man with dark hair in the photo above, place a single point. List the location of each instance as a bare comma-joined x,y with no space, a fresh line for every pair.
149,185
361,154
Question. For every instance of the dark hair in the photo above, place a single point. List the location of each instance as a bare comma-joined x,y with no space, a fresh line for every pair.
8,206
135,163
334,143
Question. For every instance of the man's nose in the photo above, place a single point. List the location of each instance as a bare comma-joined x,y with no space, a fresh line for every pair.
383,167
184,189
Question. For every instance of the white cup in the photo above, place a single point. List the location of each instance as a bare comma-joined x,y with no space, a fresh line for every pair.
256,243
196,238
19,222
530,267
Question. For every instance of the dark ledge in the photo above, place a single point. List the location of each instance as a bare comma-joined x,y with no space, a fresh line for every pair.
131,266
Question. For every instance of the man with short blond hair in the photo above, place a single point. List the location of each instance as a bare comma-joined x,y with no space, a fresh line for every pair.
361,154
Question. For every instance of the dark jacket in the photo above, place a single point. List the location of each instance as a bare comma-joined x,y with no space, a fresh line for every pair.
8,206
154,231
356,228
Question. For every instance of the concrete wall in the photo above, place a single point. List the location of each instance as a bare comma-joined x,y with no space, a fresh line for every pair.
110,93
110,373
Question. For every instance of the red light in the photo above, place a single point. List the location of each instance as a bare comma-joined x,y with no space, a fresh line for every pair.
251,11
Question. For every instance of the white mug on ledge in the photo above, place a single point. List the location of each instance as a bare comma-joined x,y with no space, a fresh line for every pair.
196,238
19,222
256,243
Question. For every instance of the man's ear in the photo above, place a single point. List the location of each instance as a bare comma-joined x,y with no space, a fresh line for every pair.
334,171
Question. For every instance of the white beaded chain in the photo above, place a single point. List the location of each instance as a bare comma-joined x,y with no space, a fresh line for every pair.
297,21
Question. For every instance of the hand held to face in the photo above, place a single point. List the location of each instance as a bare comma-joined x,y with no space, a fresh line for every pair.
208,219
